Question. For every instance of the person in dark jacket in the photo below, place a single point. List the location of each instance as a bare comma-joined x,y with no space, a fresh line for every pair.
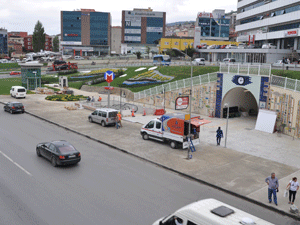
219,135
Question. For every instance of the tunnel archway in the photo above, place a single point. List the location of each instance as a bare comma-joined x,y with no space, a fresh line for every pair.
243,99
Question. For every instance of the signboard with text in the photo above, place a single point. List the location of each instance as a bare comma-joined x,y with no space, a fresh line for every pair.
182,103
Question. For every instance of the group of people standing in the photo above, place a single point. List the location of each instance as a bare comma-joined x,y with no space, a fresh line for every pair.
273,188
89,99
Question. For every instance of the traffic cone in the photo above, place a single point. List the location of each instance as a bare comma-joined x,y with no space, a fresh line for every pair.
132,113
144,112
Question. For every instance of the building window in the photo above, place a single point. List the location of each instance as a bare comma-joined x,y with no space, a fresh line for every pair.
29,47
46,47
46,43
166,43
28,39
29,43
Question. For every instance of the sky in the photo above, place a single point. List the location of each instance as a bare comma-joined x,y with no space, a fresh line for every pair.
22,15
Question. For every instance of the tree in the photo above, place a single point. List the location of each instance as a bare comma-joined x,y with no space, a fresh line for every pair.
190,51
38,37
138,55
148,50
55,44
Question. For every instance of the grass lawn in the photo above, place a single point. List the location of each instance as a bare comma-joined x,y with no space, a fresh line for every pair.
179,72
287,73
7,83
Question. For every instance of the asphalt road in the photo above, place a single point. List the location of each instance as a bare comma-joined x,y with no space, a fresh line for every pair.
106,187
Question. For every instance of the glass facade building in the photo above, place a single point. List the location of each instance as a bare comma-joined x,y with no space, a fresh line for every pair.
214,25
85,32
3,42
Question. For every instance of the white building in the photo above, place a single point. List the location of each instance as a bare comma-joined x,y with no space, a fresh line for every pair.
269,21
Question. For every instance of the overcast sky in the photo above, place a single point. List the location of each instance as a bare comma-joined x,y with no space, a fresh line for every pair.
22,15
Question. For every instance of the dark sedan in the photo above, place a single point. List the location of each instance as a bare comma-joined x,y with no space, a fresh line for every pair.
58,152
14,107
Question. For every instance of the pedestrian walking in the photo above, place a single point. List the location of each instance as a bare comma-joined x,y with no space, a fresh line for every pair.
293,188
117,122
119,118
273,186
219,135
99,99
93,99
88,99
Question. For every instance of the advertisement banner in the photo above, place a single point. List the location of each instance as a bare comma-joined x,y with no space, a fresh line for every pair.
132,38
71,42
132,31
182,103
136,14
154,29
133,22
291,33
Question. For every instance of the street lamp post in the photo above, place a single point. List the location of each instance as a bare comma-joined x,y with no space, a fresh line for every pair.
189,136
164,100
227,116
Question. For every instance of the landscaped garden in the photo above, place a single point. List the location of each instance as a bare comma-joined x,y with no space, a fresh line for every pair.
65,98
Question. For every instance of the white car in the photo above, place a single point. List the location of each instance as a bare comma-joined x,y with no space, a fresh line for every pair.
18,92
78,57
198,61
229,60
211,47
269,46
242,45
280,64
231,47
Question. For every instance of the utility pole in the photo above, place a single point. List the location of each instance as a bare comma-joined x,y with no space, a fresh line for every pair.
190,101
226,105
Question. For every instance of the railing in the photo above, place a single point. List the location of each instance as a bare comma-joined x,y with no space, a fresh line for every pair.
171,86
260,70
286,83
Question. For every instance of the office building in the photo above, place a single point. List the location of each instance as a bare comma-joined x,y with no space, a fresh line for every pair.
116,34
269,21
28,43
142,28
85,32
3,41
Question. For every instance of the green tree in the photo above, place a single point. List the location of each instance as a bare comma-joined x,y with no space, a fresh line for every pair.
55,44
138,55
148,50
190,51
38,37
171,52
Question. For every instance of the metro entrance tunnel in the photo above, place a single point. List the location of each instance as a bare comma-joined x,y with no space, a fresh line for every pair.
241,102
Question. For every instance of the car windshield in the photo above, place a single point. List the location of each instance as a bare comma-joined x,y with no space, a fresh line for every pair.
17,104
66,149
112,114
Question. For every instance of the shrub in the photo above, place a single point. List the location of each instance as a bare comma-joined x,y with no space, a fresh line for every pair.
49,80
9,65
65,72
64,98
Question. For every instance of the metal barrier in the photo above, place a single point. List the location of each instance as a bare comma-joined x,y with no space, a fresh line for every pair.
249,69
171,86
286,83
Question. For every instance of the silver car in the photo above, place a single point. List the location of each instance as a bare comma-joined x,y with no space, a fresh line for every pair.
104,116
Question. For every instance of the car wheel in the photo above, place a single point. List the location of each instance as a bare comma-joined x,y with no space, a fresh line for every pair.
10,111
38,152
91,120
145,136
103,123
173,144
53,161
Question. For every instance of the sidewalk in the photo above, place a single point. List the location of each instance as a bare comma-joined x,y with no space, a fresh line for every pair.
241,168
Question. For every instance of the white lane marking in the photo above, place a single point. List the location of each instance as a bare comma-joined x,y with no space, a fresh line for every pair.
16,163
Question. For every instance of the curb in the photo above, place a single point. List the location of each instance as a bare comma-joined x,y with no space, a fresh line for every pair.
171,169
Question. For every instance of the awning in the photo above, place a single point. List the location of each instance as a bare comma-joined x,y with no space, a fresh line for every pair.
199,122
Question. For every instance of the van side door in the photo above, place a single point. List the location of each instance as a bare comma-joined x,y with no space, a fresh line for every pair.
157,129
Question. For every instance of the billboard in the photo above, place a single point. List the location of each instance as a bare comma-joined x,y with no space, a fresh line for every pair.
182,103
154,29
133,22
71,42
132,38
136,14
132,31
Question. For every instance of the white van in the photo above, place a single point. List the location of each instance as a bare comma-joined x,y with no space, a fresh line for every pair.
104,116
18,92
198,61
210,212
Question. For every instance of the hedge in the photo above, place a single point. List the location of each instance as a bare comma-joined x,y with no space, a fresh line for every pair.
9,65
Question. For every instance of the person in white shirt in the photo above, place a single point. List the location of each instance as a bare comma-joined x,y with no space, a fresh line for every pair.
293,188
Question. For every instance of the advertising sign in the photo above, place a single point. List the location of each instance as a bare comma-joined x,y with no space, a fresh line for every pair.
132,38
154,29
132,31
204,14
136,14
109,76
291,33
133,22
71,42
182,103
71,35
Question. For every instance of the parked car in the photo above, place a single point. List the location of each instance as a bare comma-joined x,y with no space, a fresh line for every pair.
251,46
203,46
211,47
78,57
14,107
231,46
18,92
229,60
198,61
280,63
218,46
269,46
58,152
14,73
223,46
242,46
104,116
